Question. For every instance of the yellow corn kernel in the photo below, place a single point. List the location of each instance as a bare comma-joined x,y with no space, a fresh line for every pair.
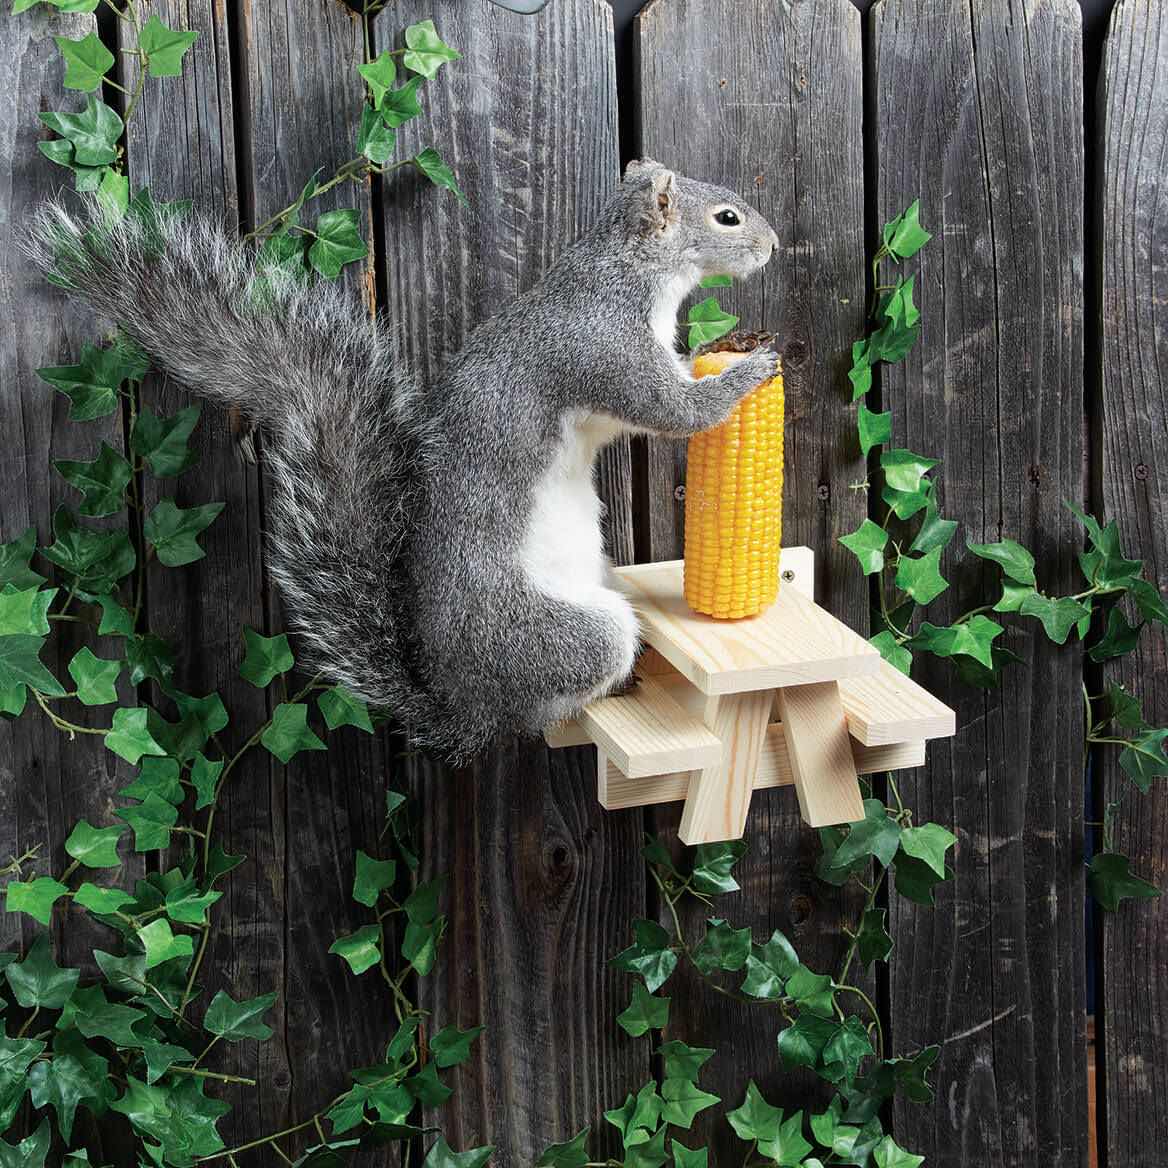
734,502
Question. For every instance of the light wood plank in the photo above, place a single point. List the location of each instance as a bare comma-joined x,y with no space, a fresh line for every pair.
820,750
719,796
618,791
794,642
646,732
890,707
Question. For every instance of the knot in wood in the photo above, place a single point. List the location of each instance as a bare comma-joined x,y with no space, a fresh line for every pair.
1142,471
794,352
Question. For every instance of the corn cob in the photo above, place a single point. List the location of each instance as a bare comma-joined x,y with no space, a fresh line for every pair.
734,498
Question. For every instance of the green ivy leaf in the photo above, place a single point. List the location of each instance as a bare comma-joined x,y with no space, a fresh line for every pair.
571,1154
1015,561
372,878
920,576
845,1051
220,863
893,340
1120,638
37,981
16,1056
161,1056
288,733
177,1115
899,306
430,163
789,1147
723,947
379,75
769,966
266,657
683,1100
906,504
25,612
162,442
755,1118
30,1152
375,140
684,1157
812,991
867,544
934,531
973,638
1058,616
915,879
451,1046
425,51
129,738
904,470
12,700
638,1117
928,843
85,178
101,901
1143,758
707,322
643,1013
235,1021
342,708
650,1154
87,61
97,559
173,530
713,864
95,847
186,905
149,656
1149,601
67,1081
164,47
34,897
904,236
874,429
15,560
161,943
96,678
92,386
1124,708
151,821
889,1154
337,243
892,651
420,943
876,835
649,955
205,777
1111,882
682,1061
860,374
115,620
360,949
20,665
801,1044
93,134
400,105
873,941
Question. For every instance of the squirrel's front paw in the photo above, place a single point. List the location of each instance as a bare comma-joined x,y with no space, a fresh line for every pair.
758,366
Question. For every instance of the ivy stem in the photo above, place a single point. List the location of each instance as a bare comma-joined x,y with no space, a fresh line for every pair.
199,1073
63,724
855,941
28,1022
205,1051
851,989
288,1131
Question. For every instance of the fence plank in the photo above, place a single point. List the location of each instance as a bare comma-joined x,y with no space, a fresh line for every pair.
301,108
542,881
979,113
181,144
767,100
1134,242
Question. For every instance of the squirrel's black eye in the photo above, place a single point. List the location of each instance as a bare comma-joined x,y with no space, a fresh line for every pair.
727,218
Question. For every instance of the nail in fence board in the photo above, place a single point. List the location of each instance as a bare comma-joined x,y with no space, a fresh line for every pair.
978,112
301,109
767,100
543,882
1133,132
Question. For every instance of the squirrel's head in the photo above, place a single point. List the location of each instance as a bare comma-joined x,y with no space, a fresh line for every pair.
693,224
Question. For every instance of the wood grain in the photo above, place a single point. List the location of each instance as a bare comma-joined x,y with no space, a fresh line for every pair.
300,109
543,883
820,751
889,707
767,99
1133,144
978,112
794,642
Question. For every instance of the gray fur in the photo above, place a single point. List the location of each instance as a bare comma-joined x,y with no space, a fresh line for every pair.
400,512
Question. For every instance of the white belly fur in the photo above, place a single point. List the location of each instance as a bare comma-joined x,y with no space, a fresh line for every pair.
563,548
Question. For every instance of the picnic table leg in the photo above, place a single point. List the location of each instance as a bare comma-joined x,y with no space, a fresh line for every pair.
820,750
719,796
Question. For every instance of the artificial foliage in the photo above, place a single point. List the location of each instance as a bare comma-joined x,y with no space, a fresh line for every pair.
141,1042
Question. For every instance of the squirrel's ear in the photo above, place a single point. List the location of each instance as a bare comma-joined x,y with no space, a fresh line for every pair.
641,166
661,212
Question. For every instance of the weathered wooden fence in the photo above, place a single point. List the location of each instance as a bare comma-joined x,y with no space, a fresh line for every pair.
1041,375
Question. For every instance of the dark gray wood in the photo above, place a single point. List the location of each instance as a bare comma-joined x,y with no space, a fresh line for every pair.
978,112
1133,238
767,100
543,882
300,109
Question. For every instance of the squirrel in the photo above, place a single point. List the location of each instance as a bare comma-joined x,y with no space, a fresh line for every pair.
439,547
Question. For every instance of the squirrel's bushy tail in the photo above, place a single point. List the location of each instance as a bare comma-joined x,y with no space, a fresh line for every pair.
307,364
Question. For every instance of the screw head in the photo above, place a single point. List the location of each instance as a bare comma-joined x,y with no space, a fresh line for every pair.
787,576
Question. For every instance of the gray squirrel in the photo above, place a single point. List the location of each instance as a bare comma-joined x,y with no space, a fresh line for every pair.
439,547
